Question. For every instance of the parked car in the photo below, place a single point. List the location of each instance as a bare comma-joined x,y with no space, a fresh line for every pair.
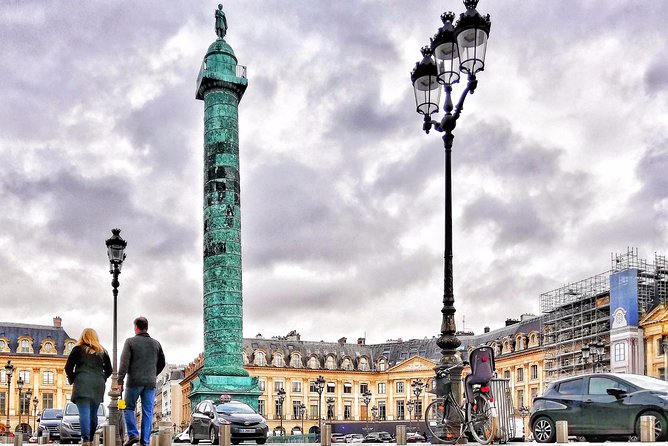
245,423
49,421
600,406
183,437
354,438
414,437
378,437
338,438
70,430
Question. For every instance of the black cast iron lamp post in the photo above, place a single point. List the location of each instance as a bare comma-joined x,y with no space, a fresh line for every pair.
417,386
19,384
302,411
319,387
455,48
281,399
9,371
410,405
367,399
28,397
35,401
116,253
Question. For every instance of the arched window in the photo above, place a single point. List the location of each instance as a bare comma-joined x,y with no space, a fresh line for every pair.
277,361
313,362
69,345
363,365
346,364
295,361
330,364
382,365
24,346
260,359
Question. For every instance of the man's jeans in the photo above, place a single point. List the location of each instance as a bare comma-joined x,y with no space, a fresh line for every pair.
147,395
87,418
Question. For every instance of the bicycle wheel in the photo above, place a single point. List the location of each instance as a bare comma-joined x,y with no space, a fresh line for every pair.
481,419
444,420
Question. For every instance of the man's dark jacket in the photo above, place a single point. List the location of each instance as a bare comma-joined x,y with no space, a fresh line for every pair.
142,359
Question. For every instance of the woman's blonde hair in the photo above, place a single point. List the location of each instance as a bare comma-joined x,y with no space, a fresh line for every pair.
90,342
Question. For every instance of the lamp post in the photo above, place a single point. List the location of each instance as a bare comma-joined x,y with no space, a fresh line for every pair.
19,384
319,387
524,412
9,371
417,386
115,251
35,401
595,351
454,48
366,398
374,413
26,401
302,411
410,404
281,399
664,343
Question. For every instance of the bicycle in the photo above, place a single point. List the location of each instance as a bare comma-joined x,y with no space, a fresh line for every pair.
448,421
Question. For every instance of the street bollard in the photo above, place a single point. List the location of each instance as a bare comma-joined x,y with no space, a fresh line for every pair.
225,435
401,434
153,440
326,435
109,435
647,428
165,433
562,431
18,439
96,439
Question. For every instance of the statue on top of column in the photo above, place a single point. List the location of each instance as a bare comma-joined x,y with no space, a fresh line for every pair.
221,22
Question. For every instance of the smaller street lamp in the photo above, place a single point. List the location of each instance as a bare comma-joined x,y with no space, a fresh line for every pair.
417,386
664,344
19,384
596,352
367,399
35,401
302,411
281,399
319,387
26,401
410,404
9,371
524,412
330,408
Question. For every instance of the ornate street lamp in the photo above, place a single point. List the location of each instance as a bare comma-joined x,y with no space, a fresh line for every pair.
595,351
9,371
281,399
302,411
455,48
410,404
319,387
35,401
366,399
524,413
26,402
374,413
417,386
116,253
19,385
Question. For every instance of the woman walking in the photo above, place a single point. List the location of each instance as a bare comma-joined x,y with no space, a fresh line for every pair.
87,369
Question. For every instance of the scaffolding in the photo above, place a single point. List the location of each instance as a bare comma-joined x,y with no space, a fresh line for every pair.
578,314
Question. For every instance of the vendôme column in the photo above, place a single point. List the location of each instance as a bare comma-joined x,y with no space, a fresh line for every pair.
221,84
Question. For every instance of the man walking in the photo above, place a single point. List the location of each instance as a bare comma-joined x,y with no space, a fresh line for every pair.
141,360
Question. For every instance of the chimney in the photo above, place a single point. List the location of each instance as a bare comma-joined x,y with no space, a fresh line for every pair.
510,322
342,341
361,341
57,322
486,329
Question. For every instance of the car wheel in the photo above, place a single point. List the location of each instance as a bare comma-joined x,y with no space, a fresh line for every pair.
660,425
212,435
261,441
191,436
543,430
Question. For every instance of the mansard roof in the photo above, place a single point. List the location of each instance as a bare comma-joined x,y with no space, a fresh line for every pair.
38,333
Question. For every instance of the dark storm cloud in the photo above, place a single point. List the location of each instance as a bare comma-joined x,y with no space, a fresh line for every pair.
656,76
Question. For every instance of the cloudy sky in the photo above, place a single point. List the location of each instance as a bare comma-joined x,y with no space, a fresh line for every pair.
560,159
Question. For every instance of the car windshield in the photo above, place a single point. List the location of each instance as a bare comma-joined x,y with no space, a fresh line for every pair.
234,408
647,382
72,409
51,414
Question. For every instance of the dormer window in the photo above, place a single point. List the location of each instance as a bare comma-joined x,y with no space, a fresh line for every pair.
313,362
25,345
278,361
295,361
260,359
363,365
330,364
